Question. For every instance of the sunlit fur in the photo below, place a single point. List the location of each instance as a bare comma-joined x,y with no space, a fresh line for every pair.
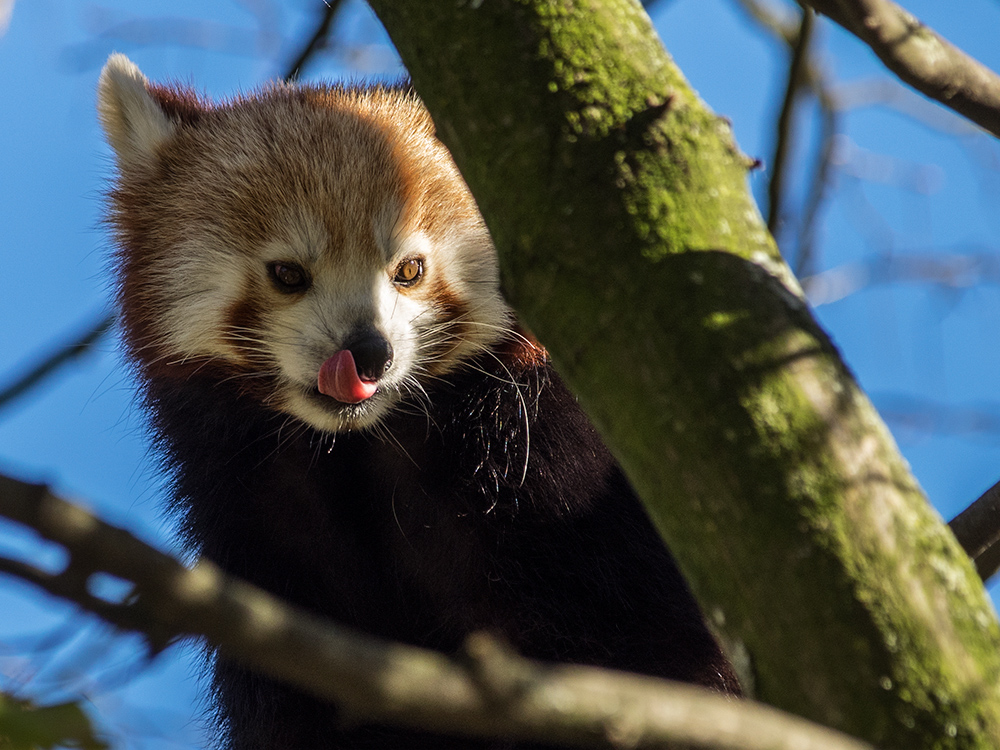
207,197
469,493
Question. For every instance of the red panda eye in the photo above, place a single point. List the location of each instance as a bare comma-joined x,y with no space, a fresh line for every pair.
288,277
409,272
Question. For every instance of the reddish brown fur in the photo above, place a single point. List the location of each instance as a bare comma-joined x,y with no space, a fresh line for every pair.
152,214
180,103
482,499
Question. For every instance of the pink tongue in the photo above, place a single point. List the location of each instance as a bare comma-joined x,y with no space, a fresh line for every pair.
338,378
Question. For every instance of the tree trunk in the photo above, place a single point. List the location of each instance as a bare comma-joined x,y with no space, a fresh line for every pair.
631,247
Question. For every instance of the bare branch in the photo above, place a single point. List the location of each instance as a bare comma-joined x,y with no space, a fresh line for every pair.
489,693
891,92
805,259
921,57
977,529
988,563
785,26
797,74
52,361
125,29
316,41
787,29
954,271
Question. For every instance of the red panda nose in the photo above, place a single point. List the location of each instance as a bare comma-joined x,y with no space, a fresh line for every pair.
351,375
372,356
338,379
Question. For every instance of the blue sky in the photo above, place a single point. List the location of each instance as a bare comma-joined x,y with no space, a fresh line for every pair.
906,187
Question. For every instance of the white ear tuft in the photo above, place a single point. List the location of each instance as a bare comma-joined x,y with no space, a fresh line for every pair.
133,121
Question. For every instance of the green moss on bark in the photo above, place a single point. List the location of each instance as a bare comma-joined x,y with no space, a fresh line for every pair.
630,245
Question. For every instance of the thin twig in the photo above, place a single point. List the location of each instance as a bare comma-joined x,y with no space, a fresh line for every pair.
921,57
783,25
315,43
783,142
788,30
490,693
952,269
51,362
805,258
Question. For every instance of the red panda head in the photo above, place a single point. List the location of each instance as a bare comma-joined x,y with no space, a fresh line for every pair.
315,246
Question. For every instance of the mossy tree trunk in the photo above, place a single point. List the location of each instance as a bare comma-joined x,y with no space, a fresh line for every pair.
631,247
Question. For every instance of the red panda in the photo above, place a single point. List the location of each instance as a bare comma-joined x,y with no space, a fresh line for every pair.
350,414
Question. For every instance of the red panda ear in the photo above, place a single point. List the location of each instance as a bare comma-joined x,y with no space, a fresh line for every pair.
134,123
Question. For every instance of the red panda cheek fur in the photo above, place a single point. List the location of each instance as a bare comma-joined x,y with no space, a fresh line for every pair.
471,494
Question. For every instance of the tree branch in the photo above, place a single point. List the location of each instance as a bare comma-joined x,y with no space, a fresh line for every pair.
952,270
316,41
787,29
783,25
977,529
768,472
61,355
797,74
921,57
805,259
490,692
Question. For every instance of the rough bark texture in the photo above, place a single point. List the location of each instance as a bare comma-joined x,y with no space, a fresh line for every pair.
487,691
631,247
921,57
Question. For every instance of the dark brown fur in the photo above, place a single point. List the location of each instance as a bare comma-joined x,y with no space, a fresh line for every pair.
482,500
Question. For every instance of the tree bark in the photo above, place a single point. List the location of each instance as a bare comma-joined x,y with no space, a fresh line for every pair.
630,246
486,692
921,57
